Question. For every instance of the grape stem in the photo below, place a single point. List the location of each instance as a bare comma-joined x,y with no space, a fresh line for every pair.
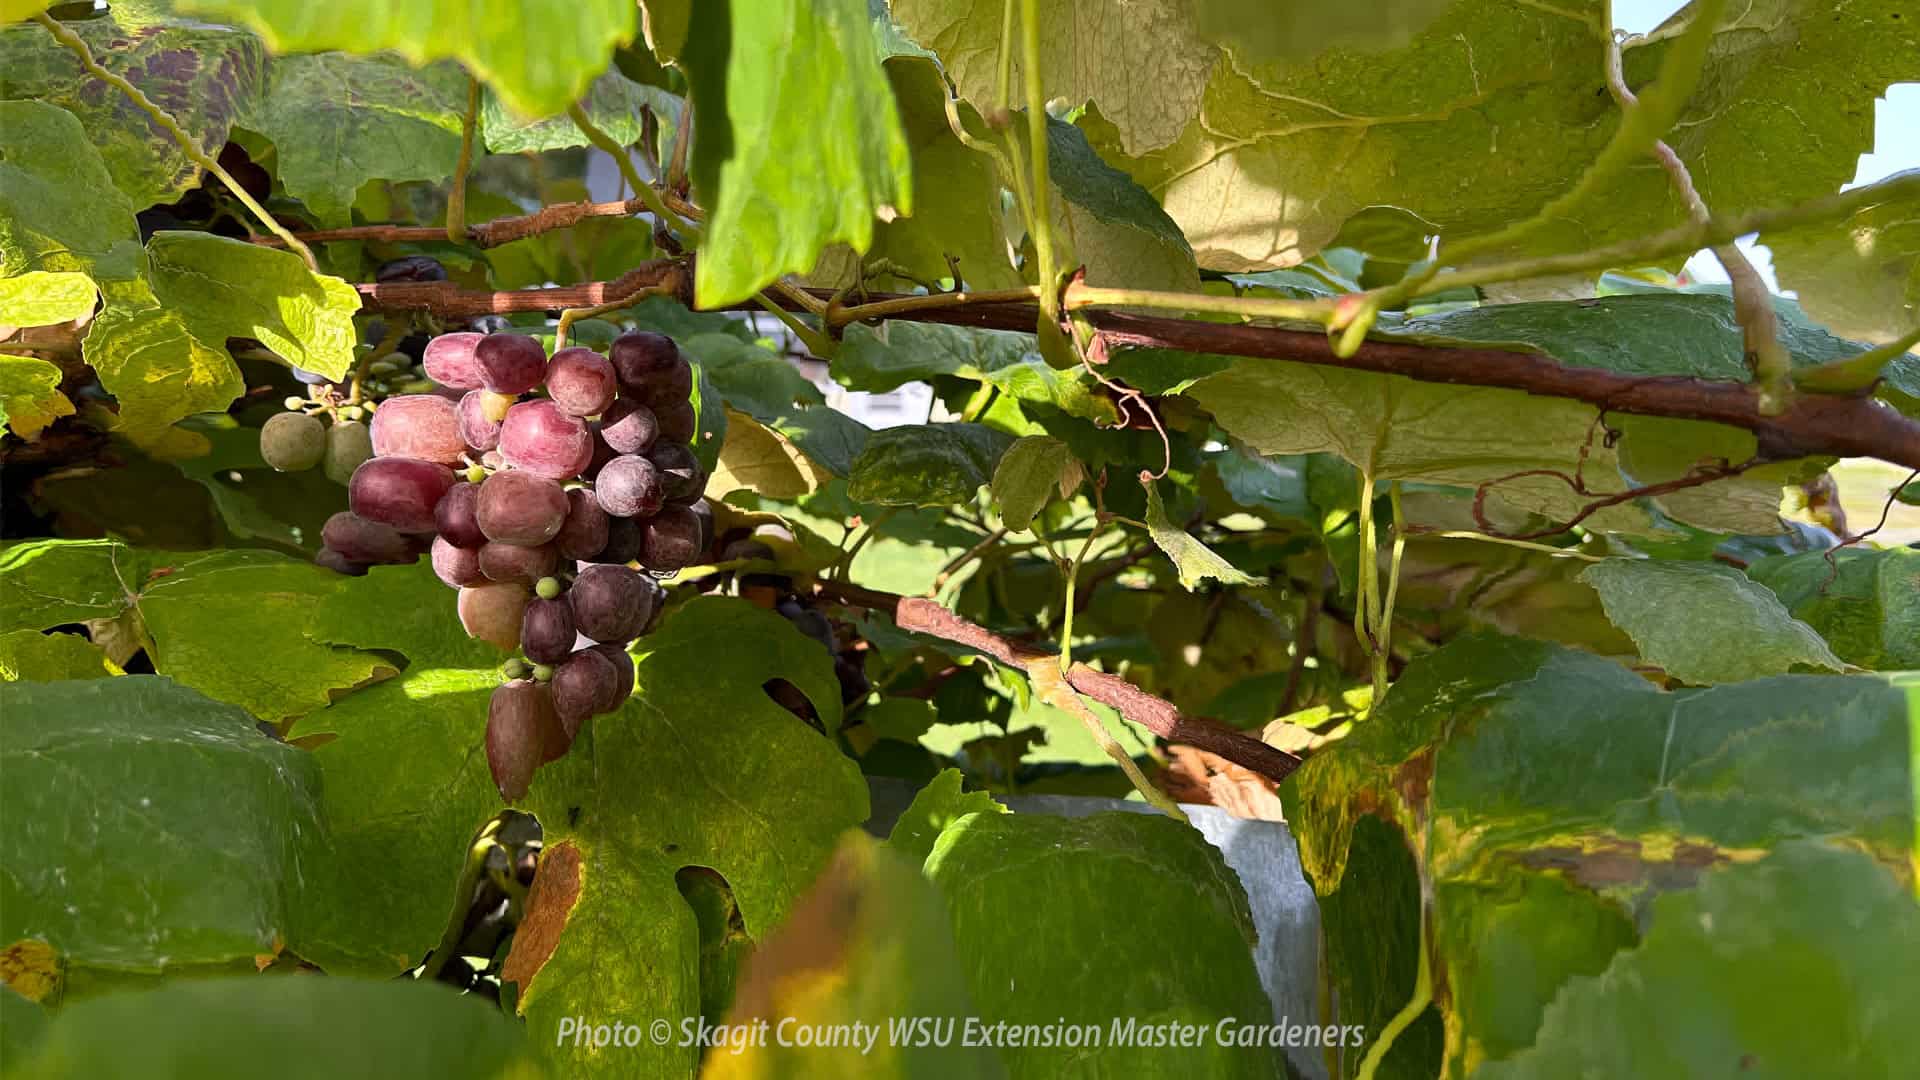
391,341
642,190
570,316
457,194
76,45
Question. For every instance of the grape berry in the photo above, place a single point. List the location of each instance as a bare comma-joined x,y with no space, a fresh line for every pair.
533,507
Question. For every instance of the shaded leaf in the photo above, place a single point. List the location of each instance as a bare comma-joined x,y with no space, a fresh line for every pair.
31,656
939,804
1705,623
1194,561
1860,277
1113,225
30,397
1028,477
59,210
1866,603
613,103
926,465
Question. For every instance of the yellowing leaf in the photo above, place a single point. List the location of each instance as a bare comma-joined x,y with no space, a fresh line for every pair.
761,460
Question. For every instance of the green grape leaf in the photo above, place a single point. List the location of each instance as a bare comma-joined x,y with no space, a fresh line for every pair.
1866,603
192,607
926,464
1258,32
754,379
613,103
1030,474
1499,108
867,944
23,1023
1786,949
1704,623
59,210
540,56
338,120
400,1028
204,76
30,396
31,656
763,461
1860,277
160,343
45,297
779,192
161,829
990,867
701,769
936,806
1194,561
884,357
1112,225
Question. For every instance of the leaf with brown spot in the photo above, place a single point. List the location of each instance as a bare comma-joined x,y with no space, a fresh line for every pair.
556,889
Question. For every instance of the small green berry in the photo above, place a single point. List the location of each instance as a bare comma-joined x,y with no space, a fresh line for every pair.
295,404
515,668
548,588
476,473
542,673
352,412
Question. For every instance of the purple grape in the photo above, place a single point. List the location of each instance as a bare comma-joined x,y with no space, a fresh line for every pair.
611,603
625,537
677,420
457,566
584,534
492,612
423,426
672,540
580,381
602,453
546,631
522,732
629,427
400,492
475,429
541,439
518,507
629,486
449,361
703,510
514,563
456,516
640,358
362,541
410,268
680,477
585,685
510,363
622,667
339,563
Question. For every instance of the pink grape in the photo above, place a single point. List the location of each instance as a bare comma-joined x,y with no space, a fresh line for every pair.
424,426
339,563
580,381
510,363
611,603
475,429
457,566
456,517
449,360
514,563
398,491
678,423
522,733
629,486
492,612
540,439
362,541
517,507
672,540
629,427
584,534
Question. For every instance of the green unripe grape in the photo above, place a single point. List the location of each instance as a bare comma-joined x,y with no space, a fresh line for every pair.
476,473
295,404
352,412
417,386
515,668
543,673
293,441
349,444
548,588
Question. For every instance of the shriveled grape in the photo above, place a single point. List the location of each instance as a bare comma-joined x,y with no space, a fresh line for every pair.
539,438
364,541
457,566
672,540
510,363
584,534
517,507
293,442
580,381
449,360
587,683
424,426
398,491
629,427
522,731
492,612
511,562
629,486
611,603
456,516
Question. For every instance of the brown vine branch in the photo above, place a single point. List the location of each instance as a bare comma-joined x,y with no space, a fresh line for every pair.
487,234
921,615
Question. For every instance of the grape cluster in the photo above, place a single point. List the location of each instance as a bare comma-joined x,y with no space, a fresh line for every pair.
534,507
